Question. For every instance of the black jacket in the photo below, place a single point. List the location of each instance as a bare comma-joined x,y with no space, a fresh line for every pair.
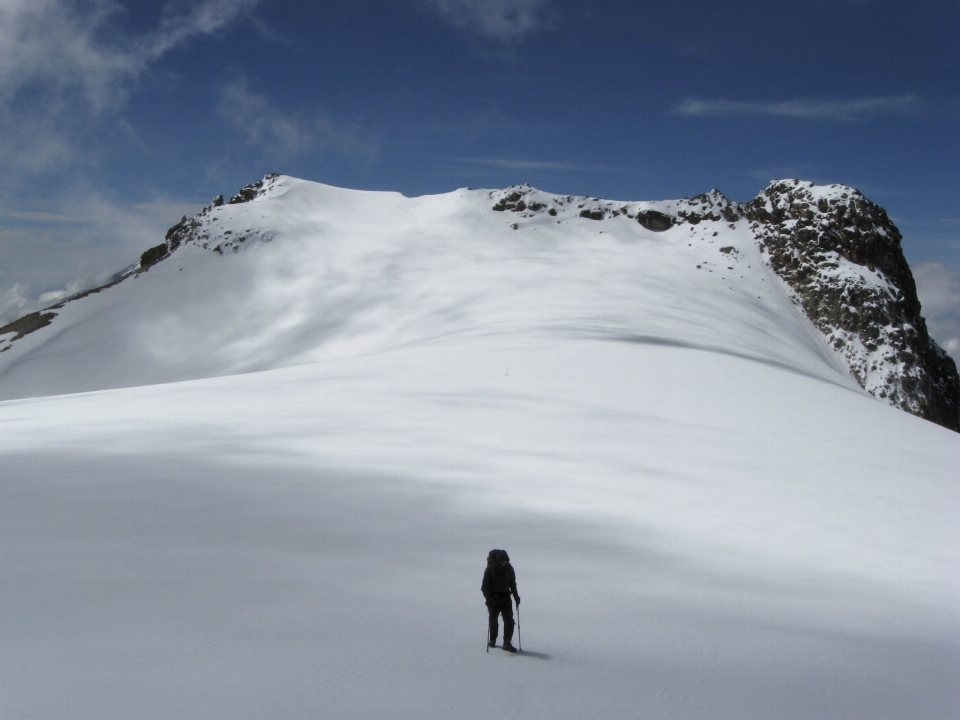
499,581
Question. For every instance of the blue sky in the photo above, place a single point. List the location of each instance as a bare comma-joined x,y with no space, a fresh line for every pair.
117,117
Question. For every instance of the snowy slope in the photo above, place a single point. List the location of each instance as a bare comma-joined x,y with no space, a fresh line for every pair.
327,273
708,516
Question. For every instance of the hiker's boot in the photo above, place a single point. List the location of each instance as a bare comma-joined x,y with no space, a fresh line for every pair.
508,646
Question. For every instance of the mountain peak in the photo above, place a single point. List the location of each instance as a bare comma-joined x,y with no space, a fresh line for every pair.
840,255
196,230
255,190
809,190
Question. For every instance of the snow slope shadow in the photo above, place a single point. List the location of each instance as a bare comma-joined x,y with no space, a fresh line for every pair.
672,343
184,586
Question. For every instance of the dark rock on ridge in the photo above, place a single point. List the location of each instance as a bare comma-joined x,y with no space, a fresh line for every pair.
841,256
153,256
194,230
528,202
249,192
27,324
40,319
517,199
653,220
713,206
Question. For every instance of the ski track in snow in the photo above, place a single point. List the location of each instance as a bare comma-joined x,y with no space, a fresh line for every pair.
708,517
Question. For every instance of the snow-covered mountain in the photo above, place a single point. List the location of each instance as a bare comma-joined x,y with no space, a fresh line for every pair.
259,474
353,271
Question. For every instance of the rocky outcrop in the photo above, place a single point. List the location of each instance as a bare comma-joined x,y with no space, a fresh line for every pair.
655,221
713,206
25,325
36,320
196,230
841,256
250,192
517,199
528,202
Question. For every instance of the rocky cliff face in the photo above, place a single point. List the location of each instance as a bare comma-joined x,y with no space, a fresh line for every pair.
841,256
196,230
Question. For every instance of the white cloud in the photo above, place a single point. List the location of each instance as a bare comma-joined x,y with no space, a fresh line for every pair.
204,18
65,47
67,64
39,216
501,20
58,47
938,287
284,135
853,109
14,304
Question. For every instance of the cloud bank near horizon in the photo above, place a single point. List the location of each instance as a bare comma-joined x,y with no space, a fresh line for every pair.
938,287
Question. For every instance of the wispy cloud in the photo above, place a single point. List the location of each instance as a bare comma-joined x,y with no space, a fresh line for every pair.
65,65
40,216
854,109
61,48
499,20
284,135
204,18
509,164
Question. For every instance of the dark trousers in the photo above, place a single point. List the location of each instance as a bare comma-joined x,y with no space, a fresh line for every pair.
496,609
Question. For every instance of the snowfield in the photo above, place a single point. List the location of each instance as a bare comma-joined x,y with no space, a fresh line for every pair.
264,484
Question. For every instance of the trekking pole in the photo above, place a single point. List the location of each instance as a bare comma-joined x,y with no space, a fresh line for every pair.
488,638
519,638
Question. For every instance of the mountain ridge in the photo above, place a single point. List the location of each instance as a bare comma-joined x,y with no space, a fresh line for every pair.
837,254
